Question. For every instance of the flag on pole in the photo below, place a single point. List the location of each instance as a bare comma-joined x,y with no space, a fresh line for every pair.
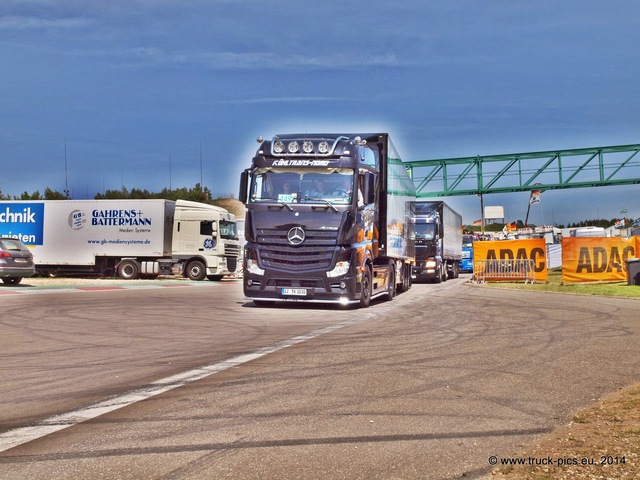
535,197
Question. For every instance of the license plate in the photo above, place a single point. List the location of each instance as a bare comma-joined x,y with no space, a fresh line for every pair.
20,260
294,291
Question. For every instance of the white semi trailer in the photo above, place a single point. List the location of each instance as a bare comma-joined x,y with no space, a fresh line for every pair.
128,238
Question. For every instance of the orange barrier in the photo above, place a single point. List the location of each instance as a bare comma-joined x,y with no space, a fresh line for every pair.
504,271
533,250
597,259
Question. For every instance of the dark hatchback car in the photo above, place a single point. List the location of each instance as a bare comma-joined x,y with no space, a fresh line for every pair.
16,261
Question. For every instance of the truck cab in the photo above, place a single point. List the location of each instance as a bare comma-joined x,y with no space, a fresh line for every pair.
438,235
317,224
466,264
205,240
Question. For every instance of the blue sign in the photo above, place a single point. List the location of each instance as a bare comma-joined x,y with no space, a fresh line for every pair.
24,221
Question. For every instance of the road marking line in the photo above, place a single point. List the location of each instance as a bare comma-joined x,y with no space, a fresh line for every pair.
22,435
80,289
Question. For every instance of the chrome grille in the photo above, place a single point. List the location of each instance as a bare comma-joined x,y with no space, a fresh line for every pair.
314,253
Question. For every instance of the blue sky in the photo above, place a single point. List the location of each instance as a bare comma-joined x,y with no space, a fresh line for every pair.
140,89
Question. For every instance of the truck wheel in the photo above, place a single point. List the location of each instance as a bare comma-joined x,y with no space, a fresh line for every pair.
403,283
456,270
365,288
406,280
391,287
128,269
196,270
215,278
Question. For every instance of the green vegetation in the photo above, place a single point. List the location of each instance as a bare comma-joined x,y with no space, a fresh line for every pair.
48,195
610,289
195,194
519,224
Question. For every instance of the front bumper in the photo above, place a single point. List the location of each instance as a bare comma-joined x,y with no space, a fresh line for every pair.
283,287
419,273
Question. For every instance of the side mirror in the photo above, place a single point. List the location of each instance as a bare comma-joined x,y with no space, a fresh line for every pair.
369,193
244,187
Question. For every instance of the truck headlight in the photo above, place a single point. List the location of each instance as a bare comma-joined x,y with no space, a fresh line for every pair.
252,267
430,263
341,268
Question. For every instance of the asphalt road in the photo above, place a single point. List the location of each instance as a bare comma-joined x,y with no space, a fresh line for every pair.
428,386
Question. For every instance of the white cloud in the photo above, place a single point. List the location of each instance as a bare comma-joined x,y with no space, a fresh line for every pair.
23,22
257,60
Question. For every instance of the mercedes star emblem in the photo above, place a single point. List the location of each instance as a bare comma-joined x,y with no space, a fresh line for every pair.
296,236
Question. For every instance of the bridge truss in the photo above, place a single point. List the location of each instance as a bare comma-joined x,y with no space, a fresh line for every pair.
550,170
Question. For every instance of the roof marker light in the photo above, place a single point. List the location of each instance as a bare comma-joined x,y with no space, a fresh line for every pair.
294,147
307,146
323,147
278,147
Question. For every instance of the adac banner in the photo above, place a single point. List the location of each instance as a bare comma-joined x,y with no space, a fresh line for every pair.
597,259
529,249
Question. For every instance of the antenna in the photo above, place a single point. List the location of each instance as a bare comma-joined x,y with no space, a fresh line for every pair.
66,179
201,187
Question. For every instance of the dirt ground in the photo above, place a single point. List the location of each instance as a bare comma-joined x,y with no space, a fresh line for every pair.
602,441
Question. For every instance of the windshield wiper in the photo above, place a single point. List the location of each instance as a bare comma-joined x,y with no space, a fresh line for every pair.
286,205
327,202
262,199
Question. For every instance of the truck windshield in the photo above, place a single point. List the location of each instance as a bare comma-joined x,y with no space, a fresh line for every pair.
425,231
467,241
228,230
304,185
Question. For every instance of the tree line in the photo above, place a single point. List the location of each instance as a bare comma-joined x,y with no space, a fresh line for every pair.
195,194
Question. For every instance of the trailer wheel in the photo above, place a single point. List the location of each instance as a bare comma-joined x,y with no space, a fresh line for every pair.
406,278
403,280
196,270
456,270
391,287
365,288
128,269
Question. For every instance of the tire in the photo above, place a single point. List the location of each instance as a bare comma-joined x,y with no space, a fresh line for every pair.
365,288
196,271
391,287
454,271
11,280
403,283
407,281
439,276
215,278
406,278
128,269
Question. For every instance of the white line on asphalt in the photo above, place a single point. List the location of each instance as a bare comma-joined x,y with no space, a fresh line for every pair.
22,435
